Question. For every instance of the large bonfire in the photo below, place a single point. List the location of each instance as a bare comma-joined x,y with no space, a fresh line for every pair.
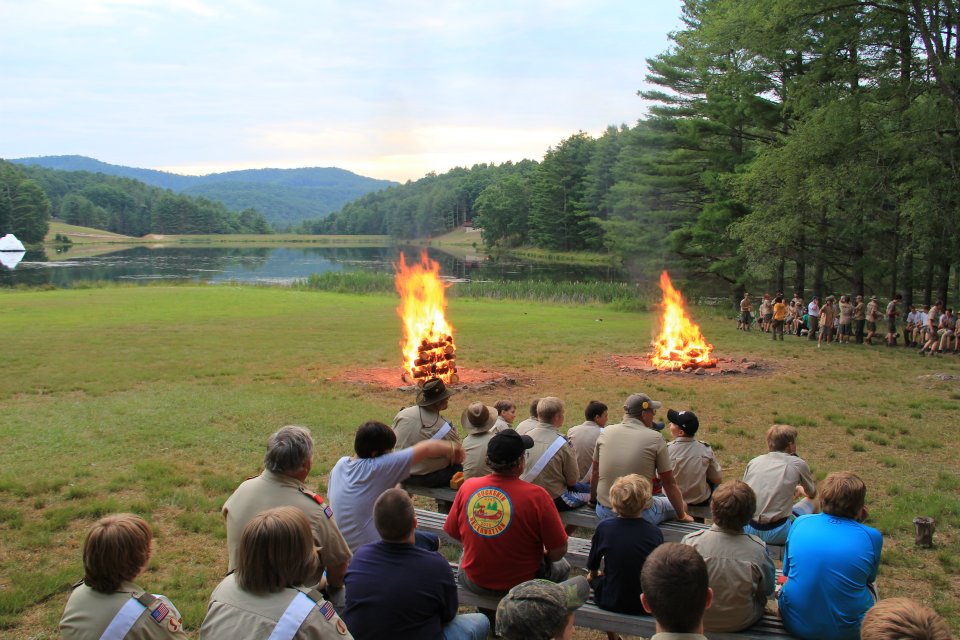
681,344
428,348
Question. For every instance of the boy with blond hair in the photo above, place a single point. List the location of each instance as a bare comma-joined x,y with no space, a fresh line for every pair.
622,545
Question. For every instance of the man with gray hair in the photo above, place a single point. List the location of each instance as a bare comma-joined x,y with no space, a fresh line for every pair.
287,464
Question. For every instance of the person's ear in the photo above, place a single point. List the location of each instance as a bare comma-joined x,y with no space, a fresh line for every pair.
709,598
646,605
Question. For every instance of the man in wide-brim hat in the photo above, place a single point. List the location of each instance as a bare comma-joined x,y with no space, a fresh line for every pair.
478,421
422,422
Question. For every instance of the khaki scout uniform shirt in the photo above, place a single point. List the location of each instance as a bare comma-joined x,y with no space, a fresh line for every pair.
742,575
417,424
88,614
694,464
561,472
774,478
475,462
234,613
270,490
583,437
527,425
625,448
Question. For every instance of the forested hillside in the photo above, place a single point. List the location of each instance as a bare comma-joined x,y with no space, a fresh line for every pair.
284,196
807,144
29,195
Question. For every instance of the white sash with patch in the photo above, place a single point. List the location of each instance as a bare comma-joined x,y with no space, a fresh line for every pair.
297,611
535,470
124,620
442,431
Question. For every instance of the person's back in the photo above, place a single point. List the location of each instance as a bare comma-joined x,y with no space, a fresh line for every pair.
475,446
621,545
694,464
628,447
742,574
830,564
774,478
583,437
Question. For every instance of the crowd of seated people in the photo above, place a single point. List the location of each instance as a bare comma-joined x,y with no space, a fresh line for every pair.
357,567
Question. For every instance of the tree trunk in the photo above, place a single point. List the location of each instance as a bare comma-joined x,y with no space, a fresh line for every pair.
800,277
928,284
943,283
781,269
908,268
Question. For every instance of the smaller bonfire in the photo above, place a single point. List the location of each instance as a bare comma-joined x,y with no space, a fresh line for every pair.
428,347
681,344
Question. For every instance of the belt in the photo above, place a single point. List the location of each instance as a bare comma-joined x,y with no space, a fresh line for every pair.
768,526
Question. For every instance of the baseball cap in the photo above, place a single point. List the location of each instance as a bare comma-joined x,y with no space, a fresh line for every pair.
638,402
507,446
686,420
533,610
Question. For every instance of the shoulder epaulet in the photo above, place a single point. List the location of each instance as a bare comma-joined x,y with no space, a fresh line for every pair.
327,511
704,443
326,609
77,584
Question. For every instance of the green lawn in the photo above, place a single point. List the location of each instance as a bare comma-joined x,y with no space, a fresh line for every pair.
159,400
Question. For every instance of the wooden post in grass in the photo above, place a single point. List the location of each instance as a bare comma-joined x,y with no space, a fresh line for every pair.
925,528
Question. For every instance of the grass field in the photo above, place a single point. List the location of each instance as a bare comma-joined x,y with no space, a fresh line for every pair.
158,400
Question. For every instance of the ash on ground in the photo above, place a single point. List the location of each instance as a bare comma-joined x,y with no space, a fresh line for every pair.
391,378
640,364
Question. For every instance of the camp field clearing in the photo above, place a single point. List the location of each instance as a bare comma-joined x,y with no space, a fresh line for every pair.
158,400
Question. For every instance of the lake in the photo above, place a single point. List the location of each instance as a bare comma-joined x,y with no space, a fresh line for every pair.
270,265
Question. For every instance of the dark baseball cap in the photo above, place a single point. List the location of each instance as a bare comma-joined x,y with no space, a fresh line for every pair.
507,446
686,420
532,610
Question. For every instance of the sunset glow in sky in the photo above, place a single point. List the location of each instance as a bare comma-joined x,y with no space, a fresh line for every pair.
387,89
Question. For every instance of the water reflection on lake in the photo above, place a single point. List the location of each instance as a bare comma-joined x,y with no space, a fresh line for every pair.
277,265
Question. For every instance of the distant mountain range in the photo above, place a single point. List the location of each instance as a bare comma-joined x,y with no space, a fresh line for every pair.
284,196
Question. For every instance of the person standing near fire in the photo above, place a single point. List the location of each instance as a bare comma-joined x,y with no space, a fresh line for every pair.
423,422
745,317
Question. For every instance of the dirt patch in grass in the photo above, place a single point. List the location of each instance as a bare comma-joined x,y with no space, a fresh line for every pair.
640,364
389,378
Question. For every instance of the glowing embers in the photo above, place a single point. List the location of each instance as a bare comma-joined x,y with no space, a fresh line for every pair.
428,347
680,344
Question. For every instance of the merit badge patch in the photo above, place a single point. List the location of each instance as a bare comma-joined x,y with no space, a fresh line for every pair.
327,610
160,612
489,512
328,512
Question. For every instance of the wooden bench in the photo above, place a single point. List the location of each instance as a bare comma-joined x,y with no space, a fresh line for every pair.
591,616
578,549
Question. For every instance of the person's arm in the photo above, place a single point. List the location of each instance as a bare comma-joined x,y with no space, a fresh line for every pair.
768,575
450,602
594,480
807,483
557,553
438,449
714,473
335,576
571,470
672,491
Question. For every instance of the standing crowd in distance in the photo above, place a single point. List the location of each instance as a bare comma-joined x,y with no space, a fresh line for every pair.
932,328
301,568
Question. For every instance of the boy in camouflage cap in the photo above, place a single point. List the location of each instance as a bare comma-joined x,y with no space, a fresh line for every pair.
541,610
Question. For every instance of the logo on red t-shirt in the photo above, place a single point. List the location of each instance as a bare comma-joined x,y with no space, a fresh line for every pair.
489,512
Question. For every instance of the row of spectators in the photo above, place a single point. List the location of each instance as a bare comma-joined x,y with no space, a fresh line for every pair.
299,569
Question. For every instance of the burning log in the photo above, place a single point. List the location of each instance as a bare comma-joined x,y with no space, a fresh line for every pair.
681,344
428,347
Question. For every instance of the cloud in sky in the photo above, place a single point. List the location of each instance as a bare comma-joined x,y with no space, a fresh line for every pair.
386,88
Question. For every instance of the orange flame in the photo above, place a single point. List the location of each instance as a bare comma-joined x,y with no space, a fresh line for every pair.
680,344
428,348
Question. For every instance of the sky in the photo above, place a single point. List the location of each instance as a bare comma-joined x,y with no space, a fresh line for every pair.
387,89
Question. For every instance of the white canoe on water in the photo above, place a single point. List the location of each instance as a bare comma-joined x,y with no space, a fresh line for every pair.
9,242
10,259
